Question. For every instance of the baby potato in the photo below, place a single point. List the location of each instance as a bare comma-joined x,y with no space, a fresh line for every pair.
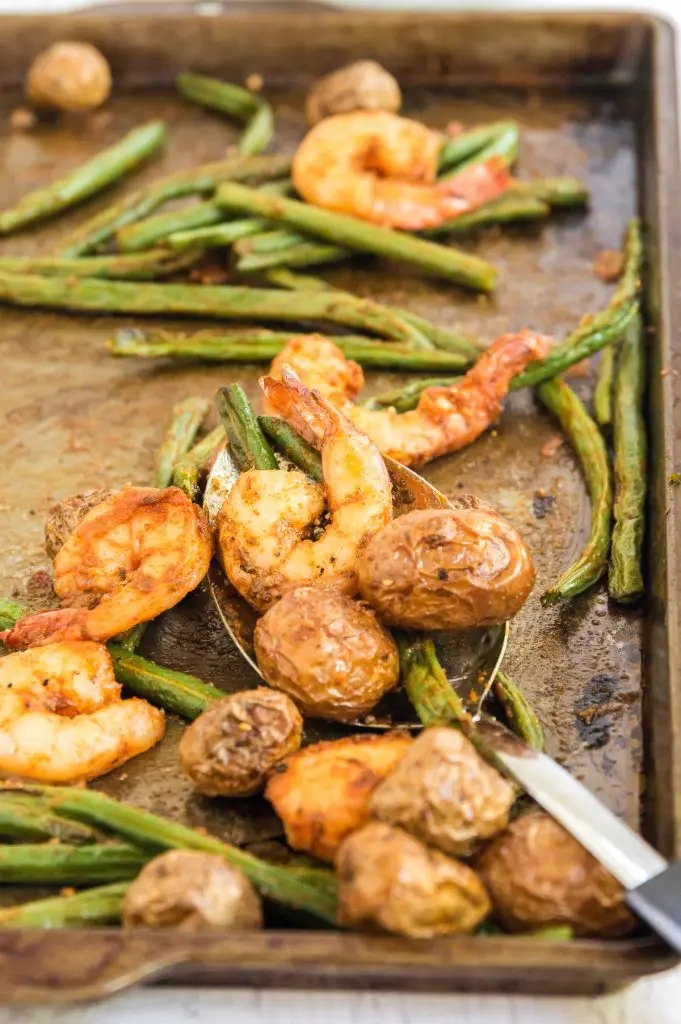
364,85
322,793
69,76
388,880
193,892
235,742
446,568
538,876
330,654
444,793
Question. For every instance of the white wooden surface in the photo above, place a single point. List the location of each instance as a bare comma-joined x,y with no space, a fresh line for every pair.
653,1002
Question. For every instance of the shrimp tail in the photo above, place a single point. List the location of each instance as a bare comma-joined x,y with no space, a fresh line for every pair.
308,413
479,183
45,627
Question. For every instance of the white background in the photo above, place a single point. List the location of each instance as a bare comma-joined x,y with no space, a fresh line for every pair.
652,1002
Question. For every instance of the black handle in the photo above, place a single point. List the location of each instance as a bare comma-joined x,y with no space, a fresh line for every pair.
658,903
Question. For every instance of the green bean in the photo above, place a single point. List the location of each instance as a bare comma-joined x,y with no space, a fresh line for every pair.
219,302
105,168
556,192
139,266
625,579
271,240
603,388
186,420
586,439
10,611
217,237
259,345
150,832
448,341
307,254
406,398
259,131
57,864
224,97
131,638
521,716
187,472
149,232
468,144
30,820
507,209
291,444
248,444
355,234
504,145
101,905
433,697
236,102
177,692
195,181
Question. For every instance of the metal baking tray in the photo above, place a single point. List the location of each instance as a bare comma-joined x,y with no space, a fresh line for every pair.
596,97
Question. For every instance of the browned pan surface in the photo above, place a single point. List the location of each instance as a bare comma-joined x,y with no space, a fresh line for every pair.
72,418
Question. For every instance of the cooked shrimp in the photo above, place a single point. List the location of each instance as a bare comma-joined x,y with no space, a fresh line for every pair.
445,419
61,716
265,524
382,168
131,558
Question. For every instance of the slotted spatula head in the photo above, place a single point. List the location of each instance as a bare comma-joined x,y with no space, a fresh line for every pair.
470,658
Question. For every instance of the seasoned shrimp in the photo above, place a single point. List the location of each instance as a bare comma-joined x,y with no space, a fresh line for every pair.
265,524
446,418
61,716
382,168
132,557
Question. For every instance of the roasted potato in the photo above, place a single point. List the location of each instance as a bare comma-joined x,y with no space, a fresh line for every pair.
191,891
444,793
69,76
231,747
322,793
67,514
389,880
538,875
364,85
329,653
446,568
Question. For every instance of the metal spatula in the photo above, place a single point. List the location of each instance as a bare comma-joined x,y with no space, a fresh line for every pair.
653,885
468,657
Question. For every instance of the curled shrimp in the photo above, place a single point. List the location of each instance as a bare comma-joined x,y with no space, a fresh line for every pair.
267,524
445,419
382,168
62,718
132,557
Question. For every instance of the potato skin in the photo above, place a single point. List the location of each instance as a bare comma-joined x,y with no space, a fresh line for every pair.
229,749
538,875
322,793
330,654
446,569
388,880
444,793
63,518
364,85
193,892
69,76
